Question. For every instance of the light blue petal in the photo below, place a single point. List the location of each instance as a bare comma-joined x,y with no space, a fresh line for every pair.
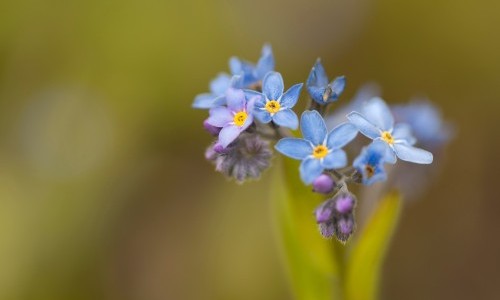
403,131
310,169
313,127
220,84
412,154
335,159
235,99
316,93
378,113
265,63
272,86
228,134
286,118
341,136
247,123
338,86
363,125
290,97
220,117
294,148
262,115
203,101
317,76
236,82
390,155
219,101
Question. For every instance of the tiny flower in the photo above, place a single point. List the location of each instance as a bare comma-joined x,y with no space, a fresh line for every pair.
243,160
426,122
344,227
234,118
252,74
335,216
318,149
324,184
218,88
377,123
344,202
370,163
320,89
274,105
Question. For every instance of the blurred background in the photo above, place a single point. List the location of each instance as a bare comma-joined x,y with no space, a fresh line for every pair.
104,190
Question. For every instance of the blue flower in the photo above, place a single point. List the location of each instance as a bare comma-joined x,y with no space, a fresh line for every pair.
377,123
273,104
426,122
251,74
318,150
218,88
234,118
370,163
320,89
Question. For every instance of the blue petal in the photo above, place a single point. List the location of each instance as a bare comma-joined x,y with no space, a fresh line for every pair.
228,134
272,85
317,76
363,125
402,131
313,127
316,93
390,155
294,148
219,101
310,169
220,84
262,115
286,118
204,101
247,123
265,63
220,117
412,154
378,113
235,99
338,86
341,136
335,159
290,97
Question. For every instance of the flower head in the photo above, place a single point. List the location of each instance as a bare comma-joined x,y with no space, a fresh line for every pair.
377,123
251,74
274,105
233,119
320,89
216,96
335,216
370,163
318,149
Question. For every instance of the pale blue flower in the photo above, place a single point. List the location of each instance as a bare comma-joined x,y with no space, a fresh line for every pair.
370,163
318,149
217,95
273,104
320,89
233,119
251,74
377,123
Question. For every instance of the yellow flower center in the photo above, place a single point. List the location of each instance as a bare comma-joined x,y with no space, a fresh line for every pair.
369,171
320,151
273,106
240,118
387,137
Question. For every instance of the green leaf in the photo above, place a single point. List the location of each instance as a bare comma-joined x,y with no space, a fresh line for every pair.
310,258
363,268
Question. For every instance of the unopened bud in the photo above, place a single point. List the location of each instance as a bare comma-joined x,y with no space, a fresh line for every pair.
323,184
344,203
211,129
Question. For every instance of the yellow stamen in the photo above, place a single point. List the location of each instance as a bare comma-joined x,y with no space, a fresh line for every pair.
273,106
320,151
240,118
387,137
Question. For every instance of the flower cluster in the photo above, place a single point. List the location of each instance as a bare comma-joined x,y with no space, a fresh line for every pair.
250,110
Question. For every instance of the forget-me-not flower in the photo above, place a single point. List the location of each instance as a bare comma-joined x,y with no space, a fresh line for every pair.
318,149
320,89
251,74
377,123
217,95
370,163
273,104
234,118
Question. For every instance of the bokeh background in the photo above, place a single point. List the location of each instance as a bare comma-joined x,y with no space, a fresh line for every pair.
104,191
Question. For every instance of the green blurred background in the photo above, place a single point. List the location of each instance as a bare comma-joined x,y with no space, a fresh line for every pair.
104,191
